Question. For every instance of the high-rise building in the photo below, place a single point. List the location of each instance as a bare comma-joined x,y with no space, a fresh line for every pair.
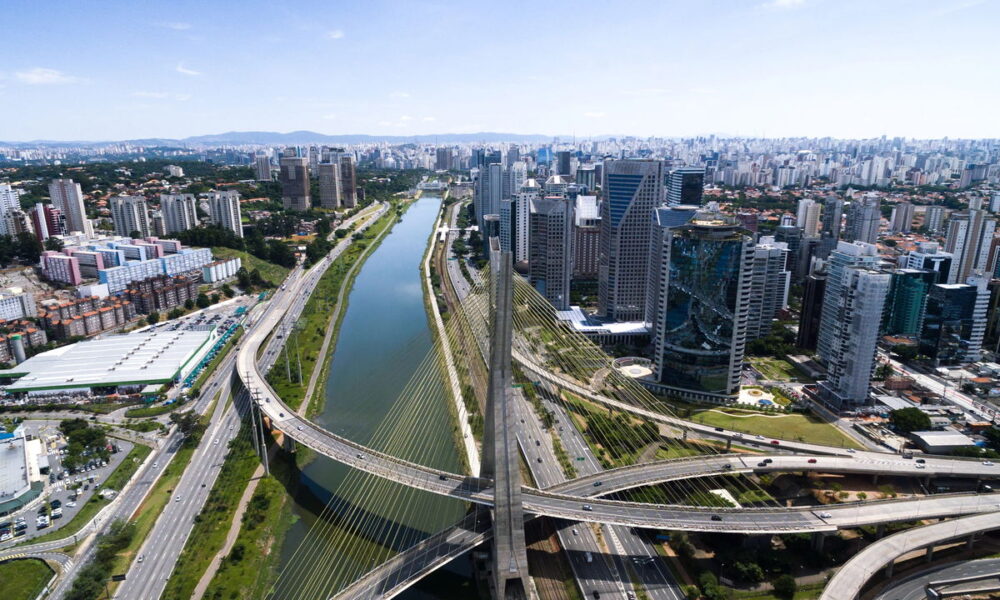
907,299
330,191
863,219
130,216
685,185
180,212
9,199
955,322
813,290
632,189
701,320
586,237
808,217
928,256
442,160
833,211
224,210
488,191
529,191
934,218
665,219
67,196
586,176
262,166
508,224
849,325
563,161
47,221
295,185
769,283
348,180
970,234
514,178
550,254
902,218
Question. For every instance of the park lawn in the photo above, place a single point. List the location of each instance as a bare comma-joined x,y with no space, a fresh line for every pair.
24,579
787,427
269,271
151,411
775,369
805,592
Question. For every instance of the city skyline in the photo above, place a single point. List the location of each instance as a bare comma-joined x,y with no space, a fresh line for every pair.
911,69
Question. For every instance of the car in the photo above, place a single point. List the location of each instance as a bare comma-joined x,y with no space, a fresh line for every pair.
177,498
141,558
598,483
920,465
760,437
156,464
921,461
762,464
443,477
539,459
812,461
281,414
576,531
987,463
769,460
71,504
851,450
775,442
716,518
727,466
825,515
719,429
299,427
588,508
359,455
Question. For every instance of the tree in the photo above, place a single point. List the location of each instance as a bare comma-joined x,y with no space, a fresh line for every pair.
175,313
55,244
29,249
215,298
883,372
135,234
202,301
228,291
188,304
785,586
153,318
906,420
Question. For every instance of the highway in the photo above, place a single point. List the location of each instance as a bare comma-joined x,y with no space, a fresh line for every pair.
852,577
912,588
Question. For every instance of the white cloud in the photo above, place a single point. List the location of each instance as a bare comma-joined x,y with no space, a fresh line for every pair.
406,118
182,97
430,119
176,26
330,116
594,114
384,124
335,34
158,95
185,71
782,4
42,76
399,95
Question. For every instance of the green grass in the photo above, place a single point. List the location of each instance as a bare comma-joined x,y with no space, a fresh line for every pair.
796,427
24,579
151,411
269,271
118,478
805,592
310,331
667,452
774,369
143,426
212,523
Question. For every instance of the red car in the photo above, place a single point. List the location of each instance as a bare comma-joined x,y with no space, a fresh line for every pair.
775,442
812,461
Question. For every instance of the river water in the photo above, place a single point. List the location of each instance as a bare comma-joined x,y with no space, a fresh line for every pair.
384,337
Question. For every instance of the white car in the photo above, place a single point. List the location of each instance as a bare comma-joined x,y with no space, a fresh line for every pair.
987,463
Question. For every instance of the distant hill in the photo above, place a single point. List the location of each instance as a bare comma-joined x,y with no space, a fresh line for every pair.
304,137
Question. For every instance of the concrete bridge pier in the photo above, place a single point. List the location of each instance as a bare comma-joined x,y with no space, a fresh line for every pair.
875,479
929,556
818,540
888,569
969,543
879,531
729,444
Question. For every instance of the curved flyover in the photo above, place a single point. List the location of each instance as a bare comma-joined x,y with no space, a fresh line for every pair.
852,577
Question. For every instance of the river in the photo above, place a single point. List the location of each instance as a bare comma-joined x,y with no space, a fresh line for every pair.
384,337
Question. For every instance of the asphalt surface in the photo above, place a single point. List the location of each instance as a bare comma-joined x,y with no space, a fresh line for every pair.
912,588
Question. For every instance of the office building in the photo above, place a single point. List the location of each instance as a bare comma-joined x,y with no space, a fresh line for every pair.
262,167
769,283
488,191
902,218
969,238
813,289
586,237
853,303
550,254
224,210
179,211
701,320
586,177
67,196
130,216
632,189
907,300
443,159
808,217
563,162
508,224
928,256
295,185
349,193
832,215
685,185
665,219
955,322
863,219
529,191
330,191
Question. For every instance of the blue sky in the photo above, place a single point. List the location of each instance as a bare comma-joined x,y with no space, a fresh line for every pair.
917,68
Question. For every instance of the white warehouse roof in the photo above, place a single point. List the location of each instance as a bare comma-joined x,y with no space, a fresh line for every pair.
140,358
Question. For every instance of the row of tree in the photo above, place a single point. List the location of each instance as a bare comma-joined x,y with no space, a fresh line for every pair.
274,251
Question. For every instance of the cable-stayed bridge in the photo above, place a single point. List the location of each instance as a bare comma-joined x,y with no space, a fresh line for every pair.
508,321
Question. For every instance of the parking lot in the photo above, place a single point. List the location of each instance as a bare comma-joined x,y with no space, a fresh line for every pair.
26,524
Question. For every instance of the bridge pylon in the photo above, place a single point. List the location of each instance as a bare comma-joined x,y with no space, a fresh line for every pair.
500,455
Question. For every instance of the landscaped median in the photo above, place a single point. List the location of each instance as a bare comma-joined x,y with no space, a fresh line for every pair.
24,579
